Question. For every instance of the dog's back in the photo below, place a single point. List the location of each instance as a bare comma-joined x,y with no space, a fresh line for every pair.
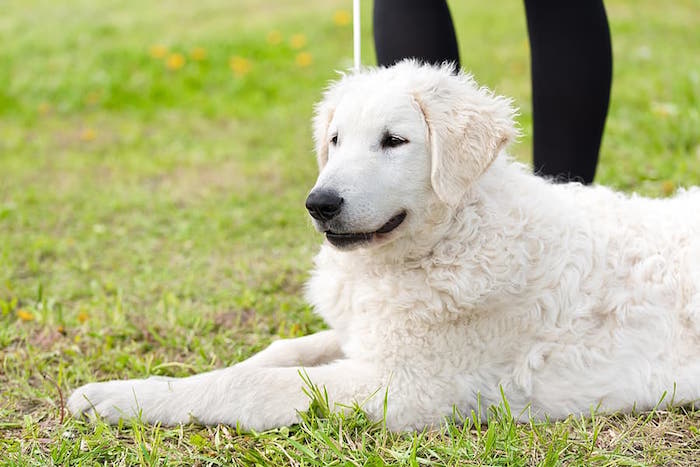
649,252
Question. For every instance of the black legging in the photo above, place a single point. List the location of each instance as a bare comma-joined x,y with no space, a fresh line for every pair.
571,60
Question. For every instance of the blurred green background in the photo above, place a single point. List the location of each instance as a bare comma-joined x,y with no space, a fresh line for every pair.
155,156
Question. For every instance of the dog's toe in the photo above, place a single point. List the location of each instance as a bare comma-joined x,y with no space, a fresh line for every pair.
81,401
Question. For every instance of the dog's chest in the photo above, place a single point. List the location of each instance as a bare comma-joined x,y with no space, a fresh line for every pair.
401,316
352,297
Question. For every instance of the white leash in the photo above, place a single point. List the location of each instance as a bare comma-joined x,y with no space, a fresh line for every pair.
356,33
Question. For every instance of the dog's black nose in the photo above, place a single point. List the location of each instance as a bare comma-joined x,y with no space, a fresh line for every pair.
323,205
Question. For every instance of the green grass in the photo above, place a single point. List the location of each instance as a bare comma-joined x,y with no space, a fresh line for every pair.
152,220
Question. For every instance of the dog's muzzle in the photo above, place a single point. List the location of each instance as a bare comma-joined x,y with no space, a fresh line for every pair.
347,240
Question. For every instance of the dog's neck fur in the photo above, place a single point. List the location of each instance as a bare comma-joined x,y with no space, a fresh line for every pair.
502,203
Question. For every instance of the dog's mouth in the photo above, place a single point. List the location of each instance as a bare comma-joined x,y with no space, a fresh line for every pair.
347,240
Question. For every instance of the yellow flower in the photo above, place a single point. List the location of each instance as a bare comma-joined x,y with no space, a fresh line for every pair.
304,59
44,108
24,315
668,187
83,316
88,134
239,65
274,37
175,61
198,54
341,18
92,98
297,41
158,51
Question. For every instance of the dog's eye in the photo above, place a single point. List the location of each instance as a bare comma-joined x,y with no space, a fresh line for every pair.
334,139
392,141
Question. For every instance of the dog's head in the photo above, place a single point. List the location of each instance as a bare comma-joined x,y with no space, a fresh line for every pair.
395,143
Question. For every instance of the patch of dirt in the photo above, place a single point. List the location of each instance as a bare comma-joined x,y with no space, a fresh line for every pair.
234,319
185,183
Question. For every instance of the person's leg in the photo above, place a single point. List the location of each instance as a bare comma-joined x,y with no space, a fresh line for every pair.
571,61
419,29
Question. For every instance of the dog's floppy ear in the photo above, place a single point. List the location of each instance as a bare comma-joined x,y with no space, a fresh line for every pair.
468,126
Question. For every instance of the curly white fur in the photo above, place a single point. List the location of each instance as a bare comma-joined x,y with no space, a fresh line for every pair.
566,297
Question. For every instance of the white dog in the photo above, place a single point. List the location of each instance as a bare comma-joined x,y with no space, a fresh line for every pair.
451,273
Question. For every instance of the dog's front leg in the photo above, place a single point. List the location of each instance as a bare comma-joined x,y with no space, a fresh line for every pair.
314,349
255,397
154,398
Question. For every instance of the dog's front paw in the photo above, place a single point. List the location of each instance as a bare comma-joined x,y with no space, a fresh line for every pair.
110,400
115,400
